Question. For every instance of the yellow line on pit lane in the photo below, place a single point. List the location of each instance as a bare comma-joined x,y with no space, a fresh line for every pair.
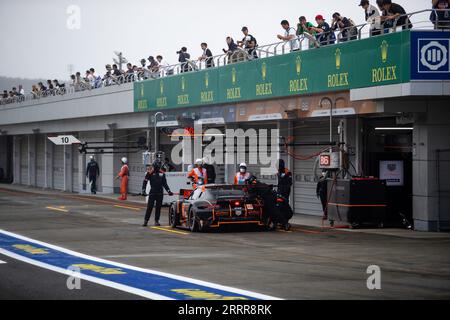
57,209
125,207
169,230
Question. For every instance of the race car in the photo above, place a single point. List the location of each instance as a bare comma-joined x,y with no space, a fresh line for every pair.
211,206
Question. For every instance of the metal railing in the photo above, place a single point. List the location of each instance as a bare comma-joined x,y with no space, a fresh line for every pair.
418,19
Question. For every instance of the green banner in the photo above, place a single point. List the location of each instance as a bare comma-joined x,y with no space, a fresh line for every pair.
369,62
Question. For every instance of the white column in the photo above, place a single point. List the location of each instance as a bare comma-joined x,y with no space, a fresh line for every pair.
68,168
230,168
48,161
16,160
31,160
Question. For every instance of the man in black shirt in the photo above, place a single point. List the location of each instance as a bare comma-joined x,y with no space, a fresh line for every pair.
206,56
92,172
210,171
322,193
183,57
157,179
345,26
393,11
284,177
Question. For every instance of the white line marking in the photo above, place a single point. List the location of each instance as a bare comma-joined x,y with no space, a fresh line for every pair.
69,273
121,265
2,262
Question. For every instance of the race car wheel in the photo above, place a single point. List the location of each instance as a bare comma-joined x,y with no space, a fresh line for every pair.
193,222
173,216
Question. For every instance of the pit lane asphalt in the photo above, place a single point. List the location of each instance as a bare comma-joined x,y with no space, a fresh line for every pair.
22,281
307,263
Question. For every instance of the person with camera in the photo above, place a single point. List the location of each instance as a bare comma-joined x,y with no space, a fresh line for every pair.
345,26
158,182
183,57
249,43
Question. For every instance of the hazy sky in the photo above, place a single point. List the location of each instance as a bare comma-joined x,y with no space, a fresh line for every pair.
37,43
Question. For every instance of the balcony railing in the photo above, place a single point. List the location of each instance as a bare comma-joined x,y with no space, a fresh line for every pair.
418,19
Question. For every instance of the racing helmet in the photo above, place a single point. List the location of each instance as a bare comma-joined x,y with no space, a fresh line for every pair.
199,162
124,160
243,167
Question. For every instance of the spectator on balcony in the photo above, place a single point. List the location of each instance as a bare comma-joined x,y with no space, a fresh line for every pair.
249,43
441,19
130,73
206,56
14,92
290,36
395,16
324,34
95,80
346,27
108,78
21,91
231,51
79,82
304,29
183,57
73,80
141,69
50,87
115,71
372,16
58,85
153,67
164,67
42,88
89,78
35,91
143,64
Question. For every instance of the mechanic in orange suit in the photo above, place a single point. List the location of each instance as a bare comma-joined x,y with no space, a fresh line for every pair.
123,174
198,175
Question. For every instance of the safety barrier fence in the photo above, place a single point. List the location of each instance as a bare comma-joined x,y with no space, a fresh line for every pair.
419,20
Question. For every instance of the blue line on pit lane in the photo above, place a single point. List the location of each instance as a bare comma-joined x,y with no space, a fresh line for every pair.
145,280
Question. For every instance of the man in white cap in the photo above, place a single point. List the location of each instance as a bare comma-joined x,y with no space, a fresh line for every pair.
92,172
124,173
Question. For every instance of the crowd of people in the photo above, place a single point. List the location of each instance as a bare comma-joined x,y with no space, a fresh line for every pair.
381,18
17,94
